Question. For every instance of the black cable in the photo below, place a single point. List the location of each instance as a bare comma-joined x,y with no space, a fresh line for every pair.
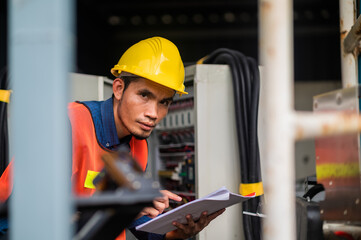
254,148
246,86
4,138
223,56
314,191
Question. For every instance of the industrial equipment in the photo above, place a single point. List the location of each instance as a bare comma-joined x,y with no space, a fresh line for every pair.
338,166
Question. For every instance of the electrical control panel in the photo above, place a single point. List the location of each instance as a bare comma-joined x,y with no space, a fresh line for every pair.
175,137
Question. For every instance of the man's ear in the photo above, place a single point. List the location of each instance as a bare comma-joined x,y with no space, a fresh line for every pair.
118,88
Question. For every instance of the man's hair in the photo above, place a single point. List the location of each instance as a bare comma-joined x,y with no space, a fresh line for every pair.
127,78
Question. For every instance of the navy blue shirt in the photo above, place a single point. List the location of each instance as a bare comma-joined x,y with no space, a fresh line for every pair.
104,123
103,118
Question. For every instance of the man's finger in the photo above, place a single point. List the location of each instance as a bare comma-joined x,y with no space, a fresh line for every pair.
179,225
160,206
171,195
190,221
150,212
203,219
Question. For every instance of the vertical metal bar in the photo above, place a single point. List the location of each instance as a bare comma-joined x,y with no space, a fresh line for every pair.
359,57
348,60
276,55
40,60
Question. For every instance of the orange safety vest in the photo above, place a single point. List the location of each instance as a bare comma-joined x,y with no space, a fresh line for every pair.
87,151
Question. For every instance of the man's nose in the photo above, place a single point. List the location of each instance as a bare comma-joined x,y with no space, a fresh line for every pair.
152,111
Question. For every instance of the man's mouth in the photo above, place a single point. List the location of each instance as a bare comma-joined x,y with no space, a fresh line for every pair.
146,126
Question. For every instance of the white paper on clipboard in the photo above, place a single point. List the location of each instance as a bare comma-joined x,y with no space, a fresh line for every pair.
222,198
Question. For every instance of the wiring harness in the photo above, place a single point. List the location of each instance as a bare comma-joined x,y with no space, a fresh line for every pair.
246,86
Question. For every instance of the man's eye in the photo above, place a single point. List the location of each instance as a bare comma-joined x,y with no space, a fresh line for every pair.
166,103
143,95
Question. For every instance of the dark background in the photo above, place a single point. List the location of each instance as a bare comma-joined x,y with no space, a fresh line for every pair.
106,28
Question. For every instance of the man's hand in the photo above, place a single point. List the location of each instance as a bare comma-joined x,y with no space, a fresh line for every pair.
159,204
192,228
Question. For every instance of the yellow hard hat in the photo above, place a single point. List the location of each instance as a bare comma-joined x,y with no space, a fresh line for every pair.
156,59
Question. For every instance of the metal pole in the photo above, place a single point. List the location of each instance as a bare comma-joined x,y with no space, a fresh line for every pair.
358,57
276,55
348,60
311,125
40,59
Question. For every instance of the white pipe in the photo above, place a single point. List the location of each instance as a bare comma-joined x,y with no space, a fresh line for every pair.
349,70
310,125
276,55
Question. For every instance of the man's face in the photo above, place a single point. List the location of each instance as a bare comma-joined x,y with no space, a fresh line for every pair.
141,107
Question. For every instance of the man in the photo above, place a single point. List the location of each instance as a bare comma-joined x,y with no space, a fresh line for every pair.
148,75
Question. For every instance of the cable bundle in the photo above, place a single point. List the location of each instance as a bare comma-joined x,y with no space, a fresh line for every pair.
4,138
246,85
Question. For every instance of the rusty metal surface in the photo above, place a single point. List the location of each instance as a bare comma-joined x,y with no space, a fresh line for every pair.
348,60
322,124
338,161
353,37
341,204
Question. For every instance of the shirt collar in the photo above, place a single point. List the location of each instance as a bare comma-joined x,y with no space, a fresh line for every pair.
110,131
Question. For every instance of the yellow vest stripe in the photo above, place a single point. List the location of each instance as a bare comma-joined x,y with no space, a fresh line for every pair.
89,179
